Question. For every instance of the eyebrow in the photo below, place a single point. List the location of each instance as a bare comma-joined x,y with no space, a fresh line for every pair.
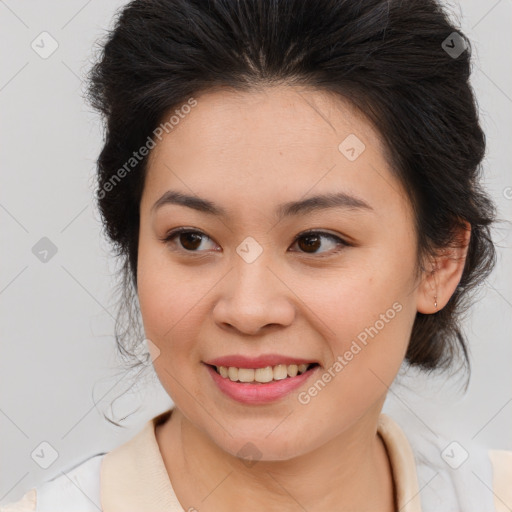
302,207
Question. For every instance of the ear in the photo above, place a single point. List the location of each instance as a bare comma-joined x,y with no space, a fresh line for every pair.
440,279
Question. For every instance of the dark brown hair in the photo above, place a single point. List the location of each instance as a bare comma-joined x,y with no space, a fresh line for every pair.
398,61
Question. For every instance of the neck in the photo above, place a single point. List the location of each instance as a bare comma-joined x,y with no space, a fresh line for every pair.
206,478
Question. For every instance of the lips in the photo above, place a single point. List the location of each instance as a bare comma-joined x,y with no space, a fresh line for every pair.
256,393
262,379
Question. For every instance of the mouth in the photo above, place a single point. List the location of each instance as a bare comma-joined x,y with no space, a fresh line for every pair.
260,386
262,376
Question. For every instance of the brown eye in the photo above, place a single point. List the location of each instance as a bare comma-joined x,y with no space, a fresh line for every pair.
189,240
309,243
312,241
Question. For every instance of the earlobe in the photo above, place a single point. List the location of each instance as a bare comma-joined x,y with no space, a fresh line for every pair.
440,281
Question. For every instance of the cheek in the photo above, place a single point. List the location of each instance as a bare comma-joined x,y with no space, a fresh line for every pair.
356,303
170,309
168,299
366,316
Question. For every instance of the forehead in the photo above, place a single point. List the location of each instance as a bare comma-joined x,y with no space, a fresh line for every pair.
275,143
272,117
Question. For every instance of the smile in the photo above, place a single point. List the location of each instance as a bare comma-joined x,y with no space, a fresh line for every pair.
259,386
262,375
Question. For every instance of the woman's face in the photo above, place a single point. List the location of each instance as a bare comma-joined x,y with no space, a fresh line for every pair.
250,283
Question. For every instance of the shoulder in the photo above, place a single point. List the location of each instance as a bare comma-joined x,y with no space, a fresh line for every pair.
501,461
452,474
26,504
75,489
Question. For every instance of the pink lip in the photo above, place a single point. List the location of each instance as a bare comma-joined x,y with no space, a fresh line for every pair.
254,394
262,361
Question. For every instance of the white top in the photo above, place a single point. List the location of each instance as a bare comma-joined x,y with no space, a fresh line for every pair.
133,477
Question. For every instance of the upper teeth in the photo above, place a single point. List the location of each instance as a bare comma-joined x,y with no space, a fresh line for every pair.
278,372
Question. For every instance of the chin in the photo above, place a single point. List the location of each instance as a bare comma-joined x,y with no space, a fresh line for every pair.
263,447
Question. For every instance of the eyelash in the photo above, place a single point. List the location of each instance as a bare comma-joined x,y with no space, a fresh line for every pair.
171,235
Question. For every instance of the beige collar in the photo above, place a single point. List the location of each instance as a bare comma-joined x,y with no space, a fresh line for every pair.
134,477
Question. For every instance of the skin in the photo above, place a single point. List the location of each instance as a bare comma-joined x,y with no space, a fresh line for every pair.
249,152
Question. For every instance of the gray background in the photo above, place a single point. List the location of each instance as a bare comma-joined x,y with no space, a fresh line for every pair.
59,370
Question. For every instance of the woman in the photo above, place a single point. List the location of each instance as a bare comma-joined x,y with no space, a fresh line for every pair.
294,189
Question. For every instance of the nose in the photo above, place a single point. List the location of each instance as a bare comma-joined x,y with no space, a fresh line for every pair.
253,299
